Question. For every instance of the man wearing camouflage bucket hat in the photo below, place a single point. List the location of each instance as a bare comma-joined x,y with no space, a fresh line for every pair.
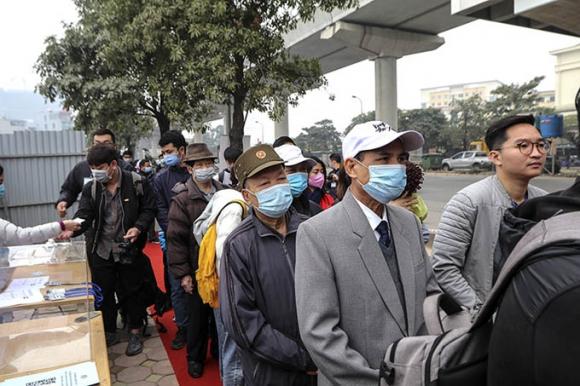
257,276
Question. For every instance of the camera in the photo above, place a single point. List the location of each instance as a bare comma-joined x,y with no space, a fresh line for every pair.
128,252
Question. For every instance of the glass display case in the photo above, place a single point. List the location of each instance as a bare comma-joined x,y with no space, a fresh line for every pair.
47,317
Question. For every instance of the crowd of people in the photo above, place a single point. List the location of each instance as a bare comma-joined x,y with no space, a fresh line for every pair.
310,273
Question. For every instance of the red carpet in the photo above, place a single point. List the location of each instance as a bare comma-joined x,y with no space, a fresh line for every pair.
177,358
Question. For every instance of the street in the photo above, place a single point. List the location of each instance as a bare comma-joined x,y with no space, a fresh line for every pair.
439,188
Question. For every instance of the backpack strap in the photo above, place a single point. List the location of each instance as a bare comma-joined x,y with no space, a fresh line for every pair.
137,183
94,190
551,231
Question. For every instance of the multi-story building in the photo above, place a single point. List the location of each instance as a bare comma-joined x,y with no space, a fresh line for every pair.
441,97
567,78
547,99
56,120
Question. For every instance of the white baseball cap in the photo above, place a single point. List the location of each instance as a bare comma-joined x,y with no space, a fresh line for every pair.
375,134
291,154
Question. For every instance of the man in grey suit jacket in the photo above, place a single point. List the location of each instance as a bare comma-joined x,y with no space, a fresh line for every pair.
362,272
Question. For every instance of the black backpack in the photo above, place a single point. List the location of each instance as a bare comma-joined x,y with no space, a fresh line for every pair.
538,280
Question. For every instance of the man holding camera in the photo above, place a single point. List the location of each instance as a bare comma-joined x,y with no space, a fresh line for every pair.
118,208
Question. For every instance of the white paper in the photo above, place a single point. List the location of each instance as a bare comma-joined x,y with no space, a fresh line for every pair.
83,374
21,296
79,220
26,283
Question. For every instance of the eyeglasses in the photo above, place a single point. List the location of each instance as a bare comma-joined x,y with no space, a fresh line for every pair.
527,147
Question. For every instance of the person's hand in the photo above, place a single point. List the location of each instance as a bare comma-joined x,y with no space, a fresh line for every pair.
405,202
61,208
187,284
64,235
132,234
71,225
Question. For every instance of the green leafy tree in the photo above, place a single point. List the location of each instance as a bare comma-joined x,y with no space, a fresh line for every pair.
244,41
320,138
430,122
467,121
126,58
515,99
361,118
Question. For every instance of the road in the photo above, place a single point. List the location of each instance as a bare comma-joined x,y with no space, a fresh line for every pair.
439,188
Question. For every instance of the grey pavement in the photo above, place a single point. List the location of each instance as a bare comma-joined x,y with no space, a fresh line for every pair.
438,188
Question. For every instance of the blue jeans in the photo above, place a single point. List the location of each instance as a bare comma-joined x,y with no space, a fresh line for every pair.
230,363
178,300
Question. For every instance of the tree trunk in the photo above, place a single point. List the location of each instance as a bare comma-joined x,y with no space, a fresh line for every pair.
163,122
239,96
237,129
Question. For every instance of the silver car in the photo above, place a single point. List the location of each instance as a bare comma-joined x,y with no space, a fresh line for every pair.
467,160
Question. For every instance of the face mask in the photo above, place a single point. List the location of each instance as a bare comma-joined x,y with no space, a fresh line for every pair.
101,176
2,190
386,183
274,201
298,183
147,170
204,175
171,159
316,181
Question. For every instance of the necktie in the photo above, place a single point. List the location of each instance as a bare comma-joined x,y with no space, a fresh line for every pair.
391,258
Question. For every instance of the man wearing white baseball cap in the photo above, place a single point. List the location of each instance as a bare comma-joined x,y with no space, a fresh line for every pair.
295,166
362,272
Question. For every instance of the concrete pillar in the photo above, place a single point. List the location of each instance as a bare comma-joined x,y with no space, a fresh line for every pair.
281,126
386,90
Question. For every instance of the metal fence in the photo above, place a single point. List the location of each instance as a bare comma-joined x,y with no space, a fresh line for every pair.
35,166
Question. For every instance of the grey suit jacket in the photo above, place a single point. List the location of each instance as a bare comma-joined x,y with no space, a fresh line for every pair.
348,308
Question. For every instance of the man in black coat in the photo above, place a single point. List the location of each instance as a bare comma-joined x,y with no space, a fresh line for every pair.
118,208
81,174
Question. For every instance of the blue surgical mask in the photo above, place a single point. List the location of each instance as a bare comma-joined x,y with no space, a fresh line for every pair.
298,183
147,169
205,174
386,183
274,201
171,159
101,175
2,191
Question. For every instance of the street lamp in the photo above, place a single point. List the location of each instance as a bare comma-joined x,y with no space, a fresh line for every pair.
262,129
361,104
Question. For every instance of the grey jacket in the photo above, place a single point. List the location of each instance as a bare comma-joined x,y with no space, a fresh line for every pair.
347,303
11,234
467,238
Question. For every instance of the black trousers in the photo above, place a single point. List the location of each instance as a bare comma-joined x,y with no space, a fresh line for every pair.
126,280
200,328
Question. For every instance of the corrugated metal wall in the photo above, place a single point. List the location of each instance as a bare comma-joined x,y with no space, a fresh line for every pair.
35,166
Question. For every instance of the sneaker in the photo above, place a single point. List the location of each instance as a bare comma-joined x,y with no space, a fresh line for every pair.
179,342
134,346
111,338
195,369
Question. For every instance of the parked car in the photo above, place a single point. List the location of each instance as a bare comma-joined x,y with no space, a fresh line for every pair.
467,160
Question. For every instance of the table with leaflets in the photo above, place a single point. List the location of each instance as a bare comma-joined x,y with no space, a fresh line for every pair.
49,331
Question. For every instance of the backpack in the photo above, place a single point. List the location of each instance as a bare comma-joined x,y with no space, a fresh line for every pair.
137,184
206,273
461,356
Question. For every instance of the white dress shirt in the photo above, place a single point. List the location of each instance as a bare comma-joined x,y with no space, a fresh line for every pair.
372,217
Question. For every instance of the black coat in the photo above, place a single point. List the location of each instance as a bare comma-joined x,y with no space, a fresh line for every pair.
258,303
138,210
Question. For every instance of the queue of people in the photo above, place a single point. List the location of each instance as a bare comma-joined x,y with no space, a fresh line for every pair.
316,272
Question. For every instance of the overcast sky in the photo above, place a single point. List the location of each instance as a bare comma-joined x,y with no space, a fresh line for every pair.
475,52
